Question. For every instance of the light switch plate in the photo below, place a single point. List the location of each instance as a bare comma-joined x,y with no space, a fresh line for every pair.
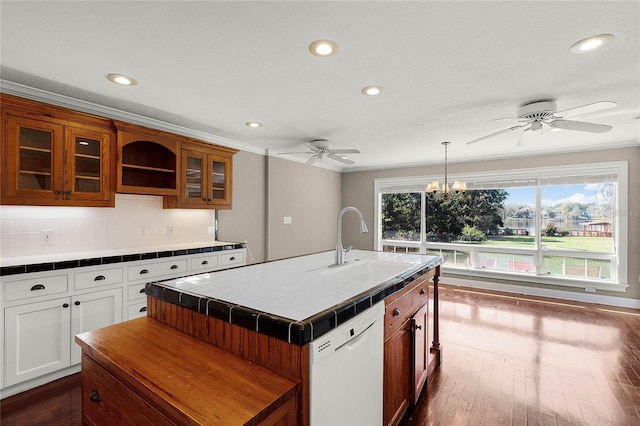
287,220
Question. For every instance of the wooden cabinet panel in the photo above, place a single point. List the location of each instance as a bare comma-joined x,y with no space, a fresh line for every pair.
405,348
420,351
147,160
397,372
206,177
55,159
105,399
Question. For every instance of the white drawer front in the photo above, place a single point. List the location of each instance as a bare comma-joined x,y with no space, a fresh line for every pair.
35,287
157,270
204,263
232,258
136,311
135,292
97,278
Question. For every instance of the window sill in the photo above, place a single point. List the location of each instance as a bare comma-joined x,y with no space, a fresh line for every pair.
582,283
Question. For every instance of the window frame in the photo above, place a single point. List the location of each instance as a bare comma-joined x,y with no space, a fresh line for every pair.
619,256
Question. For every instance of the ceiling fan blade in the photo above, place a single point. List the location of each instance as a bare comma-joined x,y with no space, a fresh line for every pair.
345,151
524,136
298,152
586,109
340,159
510,129
580,126
313,159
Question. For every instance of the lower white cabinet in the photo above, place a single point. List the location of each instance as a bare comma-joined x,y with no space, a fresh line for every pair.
92,311
39,337
41,312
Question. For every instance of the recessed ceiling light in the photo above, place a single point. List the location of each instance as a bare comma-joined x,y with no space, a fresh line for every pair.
254,124
323,48
372,90
590,43
122,79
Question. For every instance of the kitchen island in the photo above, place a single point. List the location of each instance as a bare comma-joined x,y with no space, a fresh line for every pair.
268,314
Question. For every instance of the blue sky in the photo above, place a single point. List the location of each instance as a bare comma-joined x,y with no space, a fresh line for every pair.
554,194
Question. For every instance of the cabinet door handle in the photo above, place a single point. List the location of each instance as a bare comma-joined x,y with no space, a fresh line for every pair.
232,258
396,312
422,291
174,266
66,305
95,396
143,309
144,271
418,327
68,193
99,278
58,192
205,262
37,287
142,290
77,303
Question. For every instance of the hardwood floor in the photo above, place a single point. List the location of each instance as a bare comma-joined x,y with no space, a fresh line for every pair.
507,360
516,360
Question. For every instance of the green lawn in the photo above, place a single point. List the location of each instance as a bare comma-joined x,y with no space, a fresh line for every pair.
597,244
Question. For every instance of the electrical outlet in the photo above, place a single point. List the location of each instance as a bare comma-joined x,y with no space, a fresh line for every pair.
170,230
144,232
46,235
287,220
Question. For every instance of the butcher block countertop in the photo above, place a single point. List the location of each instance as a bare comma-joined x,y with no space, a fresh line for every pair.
184,379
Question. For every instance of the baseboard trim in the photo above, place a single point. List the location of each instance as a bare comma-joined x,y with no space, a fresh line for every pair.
620,302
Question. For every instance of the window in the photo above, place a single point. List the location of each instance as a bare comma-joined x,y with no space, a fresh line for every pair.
557,225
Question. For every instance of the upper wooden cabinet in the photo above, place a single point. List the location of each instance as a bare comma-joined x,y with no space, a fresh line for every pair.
147,160
54,157
206,177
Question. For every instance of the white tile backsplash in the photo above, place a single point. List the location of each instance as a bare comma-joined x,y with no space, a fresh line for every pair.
91,228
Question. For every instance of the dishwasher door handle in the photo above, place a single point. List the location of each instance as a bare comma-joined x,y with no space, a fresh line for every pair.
352,342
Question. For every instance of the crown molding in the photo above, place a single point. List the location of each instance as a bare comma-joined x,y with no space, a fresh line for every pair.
35,94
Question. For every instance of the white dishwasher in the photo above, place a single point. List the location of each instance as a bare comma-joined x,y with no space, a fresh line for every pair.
346,372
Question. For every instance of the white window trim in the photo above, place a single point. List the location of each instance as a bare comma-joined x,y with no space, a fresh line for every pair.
418,183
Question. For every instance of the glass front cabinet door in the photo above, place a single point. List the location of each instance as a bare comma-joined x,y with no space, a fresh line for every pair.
49,163
205,180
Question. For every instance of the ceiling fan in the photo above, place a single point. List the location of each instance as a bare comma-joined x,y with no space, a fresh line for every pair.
541,116
321,148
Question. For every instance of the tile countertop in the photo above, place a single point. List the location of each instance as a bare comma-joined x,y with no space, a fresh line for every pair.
9,264
302,291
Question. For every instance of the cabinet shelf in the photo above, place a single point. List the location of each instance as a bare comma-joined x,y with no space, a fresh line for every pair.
88,177
35,172
147,168
87,156
35,149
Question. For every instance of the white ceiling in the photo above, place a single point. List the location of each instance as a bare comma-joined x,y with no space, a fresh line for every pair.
448,69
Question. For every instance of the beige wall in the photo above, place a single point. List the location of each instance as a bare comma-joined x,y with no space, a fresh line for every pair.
247,220
358,189
311,197
265,190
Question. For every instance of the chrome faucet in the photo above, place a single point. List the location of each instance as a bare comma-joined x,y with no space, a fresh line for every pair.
341,251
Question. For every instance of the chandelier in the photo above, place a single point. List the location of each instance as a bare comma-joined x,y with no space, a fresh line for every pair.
434,187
